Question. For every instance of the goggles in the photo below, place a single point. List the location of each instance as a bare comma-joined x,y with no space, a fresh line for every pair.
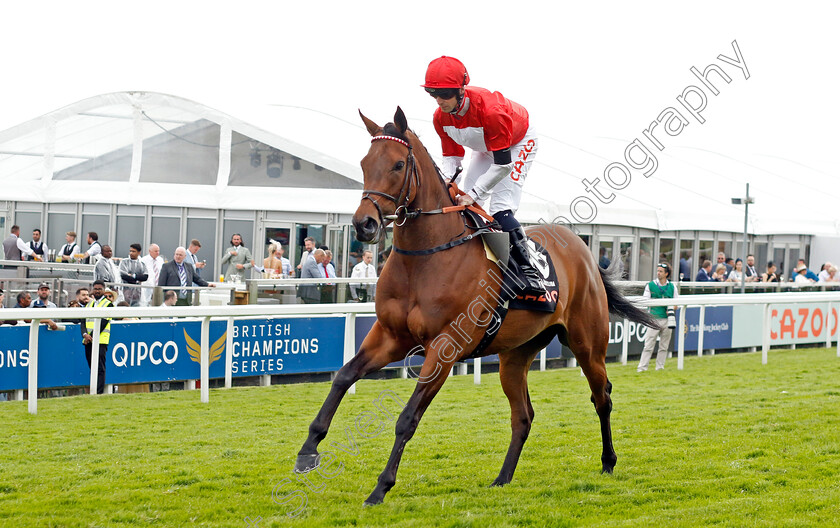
443,93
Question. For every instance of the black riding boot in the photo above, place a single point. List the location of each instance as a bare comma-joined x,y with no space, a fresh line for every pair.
519,251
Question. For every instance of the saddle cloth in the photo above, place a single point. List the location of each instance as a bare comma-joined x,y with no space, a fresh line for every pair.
497,248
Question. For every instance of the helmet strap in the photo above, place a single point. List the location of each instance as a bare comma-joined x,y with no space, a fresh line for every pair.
460,99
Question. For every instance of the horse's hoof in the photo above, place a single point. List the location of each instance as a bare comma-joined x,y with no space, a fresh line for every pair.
499,483
306,463
371,501
607,470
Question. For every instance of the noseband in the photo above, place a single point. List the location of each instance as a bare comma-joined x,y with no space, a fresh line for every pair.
401,213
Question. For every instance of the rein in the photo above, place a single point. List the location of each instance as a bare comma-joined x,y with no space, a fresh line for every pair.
403,213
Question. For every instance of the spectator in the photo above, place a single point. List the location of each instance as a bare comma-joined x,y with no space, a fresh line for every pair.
801,278
70,248
277,262
831,275
364,269
39,248
603,261
721,259
238,258
752,275
327,268
98,301
659,288
685,268
153,262
82,296
309,293
705,272
770,275
192,258
738,273
14,248
107,270
730,265
810,275
170,298
824,272
720,273
179,272
43,300
23,300
110,295
94,248
309,244
133,271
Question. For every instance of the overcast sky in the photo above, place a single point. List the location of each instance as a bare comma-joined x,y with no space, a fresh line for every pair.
583,70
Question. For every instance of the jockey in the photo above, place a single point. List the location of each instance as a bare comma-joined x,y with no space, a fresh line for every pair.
497,131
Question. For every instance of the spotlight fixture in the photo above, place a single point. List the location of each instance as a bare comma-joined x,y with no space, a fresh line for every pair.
296,164
256,158
319,168
274,165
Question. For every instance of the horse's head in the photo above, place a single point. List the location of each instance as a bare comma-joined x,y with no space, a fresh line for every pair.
390,177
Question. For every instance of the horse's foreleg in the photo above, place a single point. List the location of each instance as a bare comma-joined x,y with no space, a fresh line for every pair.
513,373
377,350
432,376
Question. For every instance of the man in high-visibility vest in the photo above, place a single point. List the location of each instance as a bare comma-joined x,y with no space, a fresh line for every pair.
98,301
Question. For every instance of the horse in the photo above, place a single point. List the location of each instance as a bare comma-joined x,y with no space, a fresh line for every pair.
437,291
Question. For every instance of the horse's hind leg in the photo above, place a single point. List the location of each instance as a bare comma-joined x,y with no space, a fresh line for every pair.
377,350
590,352
513,373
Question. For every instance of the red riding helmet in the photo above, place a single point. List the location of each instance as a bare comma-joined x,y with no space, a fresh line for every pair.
446,72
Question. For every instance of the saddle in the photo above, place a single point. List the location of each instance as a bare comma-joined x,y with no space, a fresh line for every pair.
498,250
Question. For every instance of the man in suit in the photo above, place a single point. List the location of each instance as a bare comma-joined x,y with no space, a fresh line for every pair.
309,293
238,259
705,273
177,272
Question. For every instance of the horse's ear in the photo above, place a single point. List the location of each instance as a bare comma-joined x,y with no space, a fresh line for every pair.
372,127
400,120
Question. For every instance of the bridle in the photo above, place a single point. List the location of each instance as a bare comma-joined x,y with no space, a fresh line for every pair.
402,212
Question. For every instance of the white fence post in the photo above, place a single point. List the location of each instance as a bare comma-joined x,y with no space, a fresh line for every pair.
625,341
350,343
205,360
828,326
765,334
229,354
542,359
33,366
477,371
681,338
700,330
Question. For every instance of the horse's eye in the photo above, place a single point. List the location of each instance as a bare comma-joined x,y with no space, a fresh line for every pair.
399,165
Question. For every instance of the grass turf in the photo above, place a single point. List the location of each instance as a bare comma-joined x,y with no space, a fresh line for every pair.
727,441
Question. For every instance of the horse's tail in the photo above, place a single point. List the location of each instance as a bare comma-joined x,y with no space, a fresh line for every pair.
619,305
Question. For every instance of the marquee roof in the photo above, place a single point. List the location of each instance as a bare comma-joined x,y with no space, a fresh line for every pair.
157,149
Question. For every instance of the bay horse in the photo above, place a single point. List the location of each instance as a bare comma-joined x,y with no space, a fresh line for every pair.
434,291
